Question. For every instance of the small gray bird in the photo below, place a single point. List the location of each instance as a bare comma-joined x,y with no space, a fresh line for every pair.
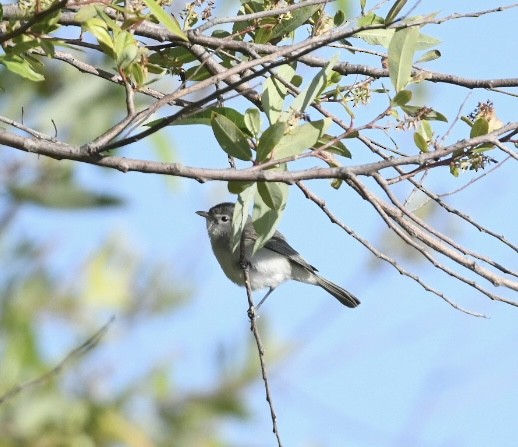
273,264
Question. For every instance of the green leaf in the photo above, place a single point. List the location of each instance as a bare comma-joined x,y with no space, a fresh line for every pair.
298,18
274,93
426,129
377,36
62,196
430,115
420,142
274,194
265,220
317,85
424,42
21,66
383,37
339,18
480,127
301,138
205,117
99,29
197,73
252,121
336,148
401,56
237,187
165,19
370,19
125,48
240,216
394,11
230,138
429,56
402,97
269,139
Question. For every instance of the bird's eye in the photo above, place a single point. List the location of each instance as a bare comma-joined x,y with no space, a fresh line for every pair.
225,218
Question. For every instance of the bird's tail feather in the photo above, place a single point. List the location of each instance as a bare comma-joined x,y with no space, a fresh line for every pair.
342,295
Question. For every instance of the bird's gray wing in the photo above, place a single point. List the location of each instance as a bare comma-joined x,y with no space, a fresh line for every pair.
279,245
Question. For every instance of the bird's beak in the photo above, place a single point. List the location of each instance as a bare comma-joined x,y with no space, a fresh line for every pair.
203,214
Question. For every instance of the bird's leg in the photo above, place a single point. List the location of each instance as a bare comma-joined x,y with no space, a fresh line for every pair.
264,298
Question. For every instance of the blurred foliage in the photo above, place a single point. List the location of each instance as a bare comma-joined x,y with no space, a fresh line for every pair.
37,303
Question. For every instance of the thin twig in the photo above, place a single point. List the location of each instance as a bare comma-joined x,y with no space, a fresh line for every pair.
75,354
322,205
260,350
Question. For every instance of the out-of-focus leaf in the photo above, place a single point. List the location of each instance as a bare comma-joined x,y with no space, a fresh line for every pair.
63,196
21,66
401,56
230,138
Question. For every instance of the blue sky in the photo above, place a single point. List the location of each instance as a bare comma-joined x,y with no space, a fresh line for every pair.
404,368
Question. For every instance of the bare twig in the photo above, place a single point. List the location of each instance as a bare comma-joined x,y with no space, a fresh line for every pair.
322,205
252,315
73,355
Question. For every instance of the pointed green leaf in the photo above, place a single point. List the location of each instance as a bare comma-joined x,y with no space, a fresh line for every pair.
230,138
317,85
301,138
298,18
269,139
205,117
275,92
99,29
426,129
252,121
240,216
420,142
125,48
274,194
401,56
265,221
394,11
165,19
480,127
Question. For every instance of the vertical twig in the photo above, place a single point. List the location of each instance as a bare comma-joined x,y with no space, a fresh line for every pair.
255,330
